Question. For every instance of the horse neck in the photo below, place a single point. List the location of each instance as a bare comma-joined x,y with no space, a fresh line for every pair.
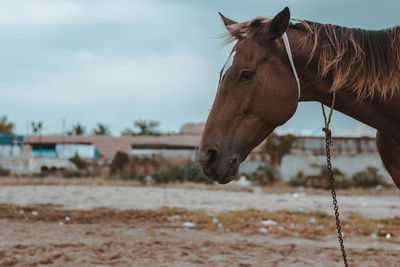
374,112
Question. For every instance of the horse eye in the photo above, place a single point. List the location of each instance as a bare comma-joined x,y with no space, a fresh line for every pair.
246,75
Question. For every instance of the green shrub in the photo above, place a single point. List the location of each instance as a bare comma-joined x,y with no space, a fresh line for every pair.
38,174
141,177
169,174
341,179
265,175
4,172
321,180
278,146
335,171
298,180
78,162
71,173
124,176
368,178
343,182
119,161
193,173
176,174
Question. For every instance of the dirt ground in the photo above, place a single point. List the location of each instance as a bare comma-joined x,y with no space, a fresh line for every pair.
130,230
122,197
150,244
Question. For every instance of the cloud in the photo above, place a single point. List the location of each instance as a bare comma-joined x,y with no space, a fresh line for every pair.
35,11
41,12
359,130
284,130
168,87
112,61
117,61
93,77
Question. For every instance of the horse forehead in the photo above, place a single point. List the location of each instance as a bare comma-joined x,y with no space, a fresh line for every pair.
246,51
228,63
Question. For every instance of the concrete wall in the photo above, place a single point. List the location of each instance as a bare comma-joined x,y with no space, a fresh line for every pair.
29,165
67,151
11,150
165,153
311,164
349,155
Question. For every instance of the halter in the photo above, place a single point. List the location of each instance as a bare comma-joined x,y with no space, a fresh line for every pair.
290,56
329,143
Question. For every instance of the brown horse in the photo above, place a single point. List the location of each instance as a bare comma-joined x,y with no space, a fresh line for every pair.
258,92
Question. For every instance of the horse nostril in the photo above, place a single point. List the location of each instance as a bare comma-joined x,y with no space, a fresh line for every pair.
211,156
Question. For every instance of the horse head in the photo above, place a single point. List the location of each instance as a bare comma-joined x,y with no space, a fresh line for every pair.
257,92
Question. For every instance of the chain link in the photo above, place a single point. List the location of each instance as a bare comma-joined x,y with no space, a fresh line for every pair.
329,143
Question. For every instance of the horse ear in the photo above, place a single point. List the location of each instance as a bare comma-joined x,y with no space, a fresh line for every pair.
227,21
230,26
279,24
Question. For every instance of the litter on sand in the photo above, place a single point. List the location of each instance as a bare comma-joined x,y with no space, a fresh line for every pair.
128,233
268,222
303,194
189,224
282,228
35,213
175,217
263,230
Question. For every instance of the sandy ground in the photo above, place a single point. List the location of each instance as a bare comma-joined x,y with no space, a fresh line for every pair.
149,244
25,242
118,197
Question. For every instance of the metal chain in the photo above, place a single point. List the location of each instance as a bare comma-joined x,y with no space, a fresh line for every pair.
329,143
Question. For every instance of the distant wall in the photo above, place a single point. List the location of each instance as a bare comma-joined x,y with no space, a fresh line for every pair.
29,165
11,150
67,151
165,152
349,155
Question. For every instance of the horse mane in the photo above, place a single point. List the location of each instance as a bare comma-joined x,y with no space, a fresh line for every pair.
365,62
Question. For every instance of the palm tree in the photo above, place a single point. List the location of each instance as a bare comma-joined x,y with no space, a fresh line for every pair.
145,127
77,129
6,127
36,127
101,129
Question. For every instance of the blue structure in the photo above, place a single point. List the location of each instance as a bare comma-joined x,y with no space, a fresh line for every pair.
9,139
11,145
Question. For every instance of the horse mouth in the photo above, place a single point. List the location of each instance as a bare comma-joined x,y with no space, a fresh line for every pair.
227,176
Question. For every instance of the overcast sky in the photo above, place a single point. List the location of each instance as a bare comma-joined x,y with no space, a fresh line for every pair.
119,61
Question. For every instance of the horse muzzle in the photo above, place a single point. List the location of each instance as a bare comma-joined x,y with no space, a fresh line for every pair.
219,166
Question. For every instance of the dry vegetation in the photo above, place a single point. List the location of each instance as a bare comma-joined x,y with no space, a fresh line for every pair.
37,235
309,225
276,188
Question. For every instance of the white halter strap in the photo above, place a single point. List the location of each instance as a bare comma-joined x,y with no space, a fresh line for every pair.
290,56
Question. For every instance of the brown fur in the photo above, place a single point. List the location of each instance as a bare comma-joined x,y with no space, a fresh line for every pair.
358,68
365,62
